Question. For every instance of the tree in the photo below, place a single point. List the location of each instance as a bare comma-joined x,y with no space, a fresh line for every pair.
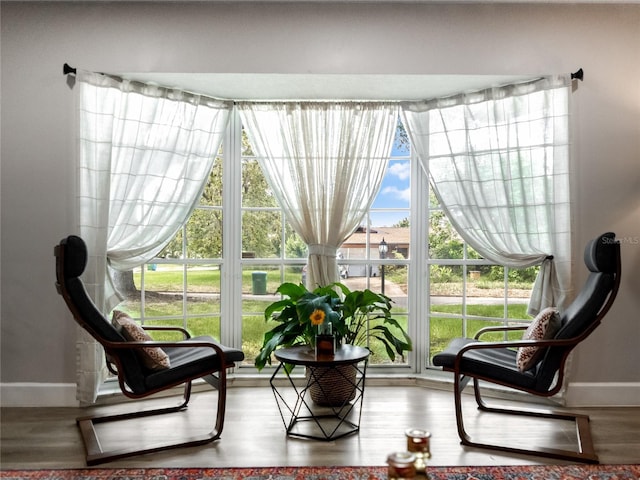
402,136
404,223
295,246
123,282
260,228
444,241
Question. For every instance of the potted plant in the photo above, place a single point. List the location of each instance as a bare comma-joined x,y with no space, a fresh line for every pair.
300,312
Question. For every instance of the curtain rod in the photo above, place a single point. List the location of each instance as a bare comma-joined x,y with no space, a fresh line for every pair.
68,69
579,75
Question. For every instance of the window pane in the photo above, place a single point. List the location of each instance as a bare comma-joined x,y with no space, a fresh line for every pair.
389,218
393,284
174,249
446,287
204,234
262,233
395,191
520,283
486,291
128,285
355,247
396,280
444,241
163,290
444,306
255,189
392,227
378,352
204,325
442,330
169,336
203,289
521,280
295,274
294,245
259,283
471,253
486,307
254,327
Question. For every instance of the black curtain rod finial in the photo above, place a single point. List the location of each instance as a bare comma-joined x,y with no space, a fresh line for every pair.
579,75
67,69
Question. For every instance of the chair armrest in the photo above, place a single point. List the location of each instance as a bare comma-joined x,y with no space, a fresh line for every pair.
497,328
512,343
168,328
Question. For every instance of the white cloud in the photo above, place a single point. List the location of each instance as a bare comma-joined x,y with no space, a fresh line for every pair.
401,194
402,170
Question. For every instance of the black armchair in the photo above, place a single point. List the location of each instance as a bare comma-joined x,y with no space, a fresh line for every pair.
495,362
189,359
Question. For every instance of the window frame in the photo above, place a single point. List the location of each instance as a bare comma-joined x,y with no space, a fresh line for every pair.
232,263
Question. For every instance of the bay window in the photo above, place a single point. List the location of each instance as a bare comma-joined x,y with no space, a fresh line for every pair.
222,268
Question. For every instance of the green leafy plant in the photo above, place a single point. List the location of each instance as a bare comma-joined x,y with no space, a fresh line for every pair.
354,314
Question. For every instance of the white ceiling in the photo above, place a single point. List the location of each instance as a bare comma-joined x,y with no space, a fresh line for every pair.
324,87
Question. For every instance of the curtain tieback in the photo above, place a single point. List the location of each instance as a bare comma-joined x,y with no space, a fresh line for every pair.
322,250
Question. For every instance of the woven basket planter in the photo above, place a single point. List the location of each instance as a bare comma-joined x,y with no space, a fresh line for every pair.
334,386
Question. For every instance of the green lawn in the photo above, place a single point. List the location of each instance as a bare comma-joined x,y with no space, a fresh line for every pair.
205,311
443,329
204,279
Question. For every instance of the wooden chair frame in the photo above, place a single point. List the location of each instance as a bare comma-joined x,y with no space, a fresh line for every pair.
216,377
585,452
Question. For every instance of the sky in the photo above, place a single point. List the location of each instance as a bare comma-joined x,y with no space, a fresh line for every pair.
395,191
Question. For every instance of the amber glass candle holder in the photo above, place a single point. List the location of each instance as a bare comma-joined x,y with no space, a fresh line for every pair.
401,466
325,341
418,443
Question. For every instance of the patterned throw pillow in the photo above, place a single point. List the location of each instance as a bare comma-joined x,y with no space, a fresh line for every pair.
543,327
153,357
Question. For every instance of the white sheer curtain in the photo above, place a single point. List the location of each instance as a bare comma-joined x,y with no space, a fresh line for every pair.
325,162
498,161
145,156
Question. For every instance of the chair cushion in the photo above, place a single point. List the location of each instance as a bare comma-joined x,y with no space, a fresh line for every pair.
543,327
153,358
188,362
496,363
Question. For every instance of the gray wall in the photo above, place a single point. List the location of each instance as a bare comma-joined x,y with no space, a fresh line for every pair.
38,129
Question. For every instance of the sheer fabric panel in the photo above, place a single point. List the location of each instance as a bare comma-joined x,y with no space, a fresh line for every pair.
145,156
498,161
325,162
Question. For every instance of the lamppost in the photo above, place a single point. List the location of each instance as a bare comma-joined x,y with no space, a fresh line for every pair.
383,248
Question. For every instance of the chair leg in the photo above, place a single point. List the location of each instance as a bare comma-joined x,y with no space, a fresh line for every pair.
220,385
585,452
96,455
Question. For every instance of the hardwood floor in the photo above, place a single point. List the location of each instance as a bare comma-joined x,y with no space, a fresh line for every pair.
254,434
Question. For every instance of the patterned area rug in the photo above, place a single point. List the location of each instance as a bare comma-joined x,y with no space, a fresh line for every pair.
535,472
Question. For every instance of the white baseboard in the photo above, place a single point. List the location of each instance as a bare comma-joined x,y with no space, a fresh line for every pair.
603,394
23,394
